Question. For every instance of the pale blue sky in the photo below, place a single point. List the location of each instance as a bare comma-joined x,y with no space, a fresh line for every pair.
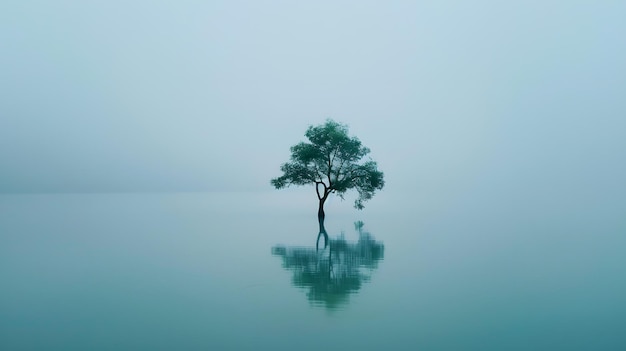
451,96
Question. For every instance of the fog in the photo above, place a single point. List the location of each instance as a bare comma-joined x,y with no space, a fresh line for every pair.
454,99
138,140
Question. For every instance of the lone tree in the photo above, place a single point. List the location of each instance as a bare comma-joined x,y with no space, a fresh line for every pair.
333,162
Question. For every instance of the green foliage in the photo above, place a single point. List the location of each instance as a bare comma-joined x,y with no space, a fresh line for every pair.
333,160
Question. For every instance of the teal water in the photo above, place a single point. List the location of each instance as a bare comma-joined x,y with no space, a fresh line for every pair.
240,272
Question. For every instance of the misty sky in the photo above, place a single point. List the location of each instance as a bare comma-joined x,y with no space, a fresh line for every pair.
209,95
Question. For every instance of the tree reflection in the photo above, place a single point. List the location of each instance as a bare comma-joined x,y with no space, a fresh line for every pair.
332,274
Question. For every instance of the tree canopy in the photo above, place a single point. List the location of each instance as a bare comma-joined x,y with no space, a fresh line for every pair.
333,162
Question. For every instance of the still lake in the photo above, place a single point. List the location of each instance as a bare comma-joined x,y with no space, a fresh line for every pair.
239,271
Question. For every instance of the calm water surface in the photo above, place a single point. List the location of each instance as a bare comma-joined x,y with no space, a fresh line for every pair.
240,272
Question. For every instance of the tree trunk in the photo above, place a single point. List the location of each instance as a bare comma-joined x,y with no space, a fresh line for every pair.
320,219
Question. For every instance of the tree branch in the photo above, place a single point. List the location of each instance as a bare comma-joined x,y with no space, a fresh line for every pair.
317,190
328,171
